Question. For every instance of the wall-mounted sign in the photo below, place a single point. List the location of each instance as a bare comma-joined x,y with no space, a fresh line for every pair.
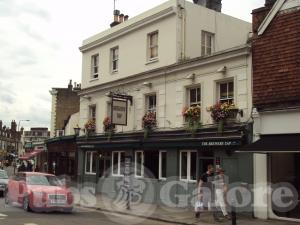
119,112
220,143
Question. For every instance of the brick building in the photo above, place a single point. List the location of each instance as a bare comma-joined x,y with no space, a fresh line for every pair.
276,102
65,102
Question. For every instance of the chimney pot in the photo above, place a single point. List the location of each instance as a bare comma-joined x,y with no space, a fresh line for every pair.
121,18
126,18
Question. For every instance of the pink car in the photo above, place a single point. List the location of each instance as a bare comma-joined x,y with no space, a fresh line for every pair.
39,192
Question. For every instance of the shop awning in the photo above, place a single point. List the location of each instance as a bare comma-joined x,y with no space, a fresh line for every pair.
274,143
30,155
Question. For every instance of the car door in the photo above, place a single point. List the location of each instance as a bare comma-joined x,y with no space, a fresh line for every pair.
12,188
21,189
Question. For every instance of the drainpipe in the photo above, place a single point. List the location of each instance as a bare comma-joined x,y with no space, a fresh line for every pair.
182,17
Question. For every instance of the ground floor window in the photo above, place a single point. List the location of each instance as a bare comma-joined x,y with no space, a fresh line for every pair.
151,163
285,167
118,159
90,162
188,162
139,163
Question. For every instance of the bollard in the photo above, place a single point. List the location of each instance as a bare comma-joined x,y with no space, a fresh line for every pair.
233,214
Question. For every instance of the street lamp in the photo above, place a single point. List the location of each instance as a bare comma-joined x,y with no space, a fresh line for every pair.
76,130
20,122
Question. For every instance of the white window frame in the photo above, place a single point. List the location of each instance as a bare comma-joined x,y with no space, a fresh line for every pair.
91,162
160,177
114,58
92,112
189,96
94,64
135,164
118,174
147,99
188,179
151,46
219,91
204,43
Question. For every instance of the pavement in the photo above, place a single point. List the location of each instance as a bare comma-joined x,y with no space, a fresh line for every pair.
175,215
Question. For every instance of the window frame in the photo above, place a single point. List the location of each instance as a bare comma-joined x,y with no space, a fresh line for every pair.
90,172
147,101
188,89
114,59
227,99
160,177
118,174
142,164
204,43
94,65
188,175
151,46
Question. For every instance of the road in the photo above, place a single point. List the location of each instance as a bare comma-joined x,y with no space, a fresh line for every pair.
12,215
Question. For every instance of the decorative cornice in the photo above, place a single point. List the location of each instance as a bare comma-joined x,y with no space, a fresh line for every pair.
134,26
238,51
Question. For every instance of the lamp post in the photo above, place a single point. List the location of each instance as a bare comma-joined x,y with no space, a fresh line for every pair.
77,130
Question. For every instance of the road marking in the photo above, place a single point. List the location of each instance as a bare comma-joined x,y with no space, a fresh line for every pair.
30,224
2,215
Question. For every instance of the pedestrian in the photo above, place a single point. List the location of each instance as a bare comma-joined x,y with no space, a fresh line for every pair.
29,166
220,185
22,168
36,169
204,193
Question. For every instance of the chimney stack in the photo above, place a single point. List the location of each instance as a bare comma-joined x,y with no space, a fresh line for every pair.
210,4
269,3
126,18
116,18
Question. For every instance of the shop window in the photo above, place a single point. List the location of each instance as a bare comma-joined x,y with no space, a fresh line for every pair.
118,163
151,163
139,164
90,162
188,162
162,165
226,92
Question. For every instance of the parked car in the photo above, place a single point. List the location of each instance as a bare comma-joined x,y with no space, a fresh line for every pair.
39,192
3,182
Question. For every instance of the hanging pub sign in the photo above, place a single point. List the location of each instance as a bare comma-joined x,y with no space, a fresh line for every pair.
119,112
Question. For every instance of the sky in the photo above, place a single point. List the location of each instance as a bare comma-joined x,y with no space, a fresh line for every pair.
39,41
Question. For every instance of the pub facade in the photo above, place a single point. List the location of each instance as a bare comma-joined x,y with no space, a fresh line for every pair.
166,74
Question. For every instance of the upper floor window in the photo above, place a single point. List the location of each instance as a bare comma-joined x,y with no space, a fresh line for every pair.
114,59
59,133
194,96
153,45
226,92
92,112
151,103
95,66
207,43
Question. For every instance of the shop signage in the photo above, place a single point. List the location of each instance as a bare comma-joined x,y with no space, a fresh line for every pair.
119,112
220,143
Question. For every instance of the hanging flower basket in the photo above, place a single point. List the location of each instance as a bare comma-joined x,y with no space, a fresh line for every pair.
149,123
192,116
223,112
90,127
108,127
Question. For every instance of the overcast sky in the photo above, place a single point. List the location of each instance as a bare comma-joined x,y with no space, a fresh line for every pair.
39,41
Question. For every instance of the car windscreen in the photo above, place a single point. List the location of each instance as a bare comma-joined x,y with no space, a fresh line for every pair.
3,174
43,180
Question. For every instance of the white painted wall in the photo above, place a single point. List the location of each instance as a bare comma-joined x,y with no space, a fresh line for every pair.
170,87
179,36
53,93
73,122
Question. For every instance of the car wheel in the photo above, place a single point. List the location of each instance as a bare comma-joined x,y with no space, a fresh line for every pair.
26,206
